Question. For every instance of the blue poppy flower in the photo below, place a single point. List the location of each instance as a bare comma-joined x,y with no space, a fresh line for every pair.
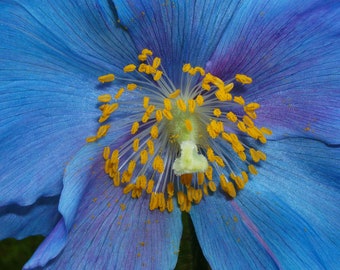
189,93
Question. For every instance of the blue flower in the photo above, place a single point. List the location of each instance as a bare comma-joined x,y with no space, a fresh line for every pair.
204,84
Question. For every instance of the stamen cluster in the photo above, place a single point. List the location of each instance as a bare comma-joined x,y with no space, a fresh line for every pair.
182,139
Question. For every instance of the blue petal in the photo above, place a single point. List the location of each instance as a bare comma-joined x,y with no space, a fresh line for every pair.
286,217
106,229
51,54
291,50
177,31
20,222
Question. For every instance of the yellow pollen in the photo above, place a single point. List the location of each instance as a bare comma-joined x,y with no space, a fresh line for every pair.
119,93
212,186
239,100
151,147
154,132
146,102
217,112
181,105
209,173
186,68
104,98
159,115
156,62
150,186
227,88
167,114
106,152
243,79
167,104
266,131
251,106
188,125
131,166
131,86
102,131
158,164
135,145
143,157
199,100
147,52
130,68
200,178
232,117
158,75
134,128
252,169
175,93
170,189
191,105
106,78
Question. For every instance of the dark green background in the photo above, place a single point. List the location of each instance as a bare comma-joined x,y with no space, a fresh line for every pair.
15,253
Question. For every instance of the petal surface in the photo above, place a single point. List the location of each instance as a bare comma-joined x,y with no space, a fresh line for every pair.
20,222
177,31
291,50
120,232
51,56
286,217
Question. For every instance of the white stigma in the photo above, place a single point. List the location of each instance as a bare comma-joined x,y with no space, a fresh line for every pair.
190,160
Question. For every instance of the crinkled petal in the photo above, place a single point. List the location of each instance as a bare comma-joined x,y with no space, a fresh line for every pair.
177,31
20,222
51,56
286,217
104,229
291,50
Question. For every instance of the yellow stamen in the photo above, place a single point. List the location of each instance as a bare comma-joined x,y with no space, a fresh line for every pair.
119,93
181,105
244,79
217,112
232,117
239,100
134,128
188,125
186,68
199,100
154,132
227,88
156,62
102,131
159,115
131,86
212,186
200,178
146,102
104,98
135,145
150,186
106,78
167,114
167,104
191,105
130,68
175,93
106,152
252,169
151,147
158,164
143,157
158,75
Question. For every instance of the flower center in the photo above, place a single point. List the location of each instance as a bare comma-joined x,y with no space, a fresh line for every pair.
182,139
